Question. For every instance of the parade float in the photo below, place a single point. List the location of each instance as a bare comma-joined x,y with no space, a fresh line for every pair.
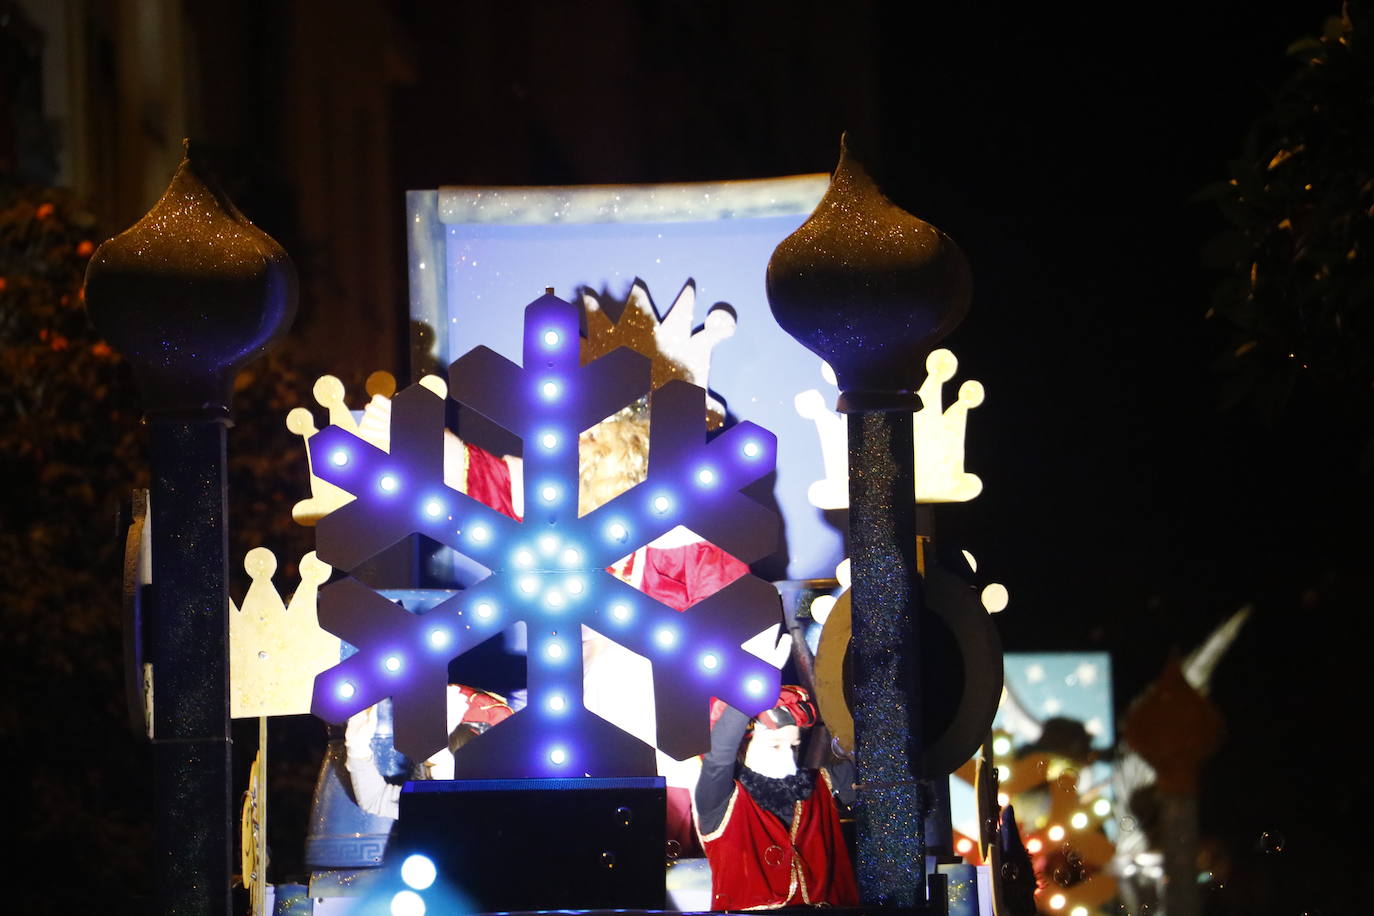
591,530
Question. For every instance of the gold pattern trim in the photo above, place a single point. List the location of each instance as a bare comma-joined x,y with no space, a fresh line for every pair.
798,879
724,821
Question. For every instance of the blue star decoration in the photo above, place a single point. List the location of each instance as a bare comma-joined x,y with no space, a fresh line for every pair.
548,569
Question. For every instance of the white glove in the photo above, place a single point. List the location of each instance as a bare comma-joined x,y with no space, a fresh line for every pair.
358,734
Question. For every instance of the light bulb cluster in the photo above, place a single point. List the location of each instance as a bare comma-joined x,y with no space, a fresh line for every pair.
1056,832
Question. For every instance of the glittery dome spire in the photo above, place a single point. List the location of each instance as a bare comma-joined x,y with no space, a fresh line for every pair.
869,287
191,293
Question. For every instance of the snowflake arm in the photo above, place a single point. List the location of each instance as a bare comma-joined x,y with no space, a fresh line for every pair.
400,492
692,482
697,655
588,396
400,655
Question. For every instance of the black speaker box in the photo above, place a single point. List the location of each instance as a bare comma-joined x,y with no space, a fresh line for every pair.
539,844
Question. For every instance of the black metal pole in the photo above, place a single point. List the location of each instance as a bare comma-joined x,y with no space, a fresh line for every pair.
884,652
190,656
870,288
190,294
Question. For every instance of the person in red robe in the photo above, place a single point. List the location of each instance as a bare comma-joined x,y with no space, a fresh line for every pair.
771,832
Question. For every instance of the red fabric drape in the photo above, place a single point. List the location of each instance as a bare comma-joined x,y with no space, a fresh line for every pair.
757,862
682,576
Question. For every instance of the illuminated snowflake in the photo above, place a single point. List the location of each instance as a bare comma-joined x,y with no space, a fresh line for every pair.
548,570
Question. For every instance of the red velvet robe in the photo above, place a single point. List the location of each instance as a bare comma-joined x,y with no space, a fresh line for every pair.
488,480
757,863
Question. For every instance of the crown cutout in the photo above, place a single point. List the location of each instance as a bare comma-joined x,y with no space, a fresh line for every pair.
374,427
938,432
276,649
676,352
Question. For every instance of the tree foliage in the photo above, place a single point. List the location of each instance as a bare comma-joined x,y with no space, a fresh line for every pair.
71,449
70,443
1299,249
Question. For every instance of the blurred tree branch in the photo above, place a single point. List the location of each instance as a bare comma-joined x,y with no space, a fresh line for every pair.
1298,298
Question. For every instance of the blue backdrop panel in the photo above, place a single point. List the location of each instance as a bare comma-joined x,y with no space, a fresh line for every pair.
492,269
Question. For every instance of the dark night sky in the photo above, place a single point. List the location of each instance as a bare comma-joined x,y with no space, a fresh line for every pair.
1061,147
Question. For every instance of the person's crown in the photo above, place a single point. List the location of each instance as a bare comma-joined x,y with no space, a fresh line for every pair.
676,352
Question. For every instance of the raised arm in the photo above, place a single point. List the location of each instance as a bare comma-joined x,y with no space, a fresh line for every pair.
372,793
717,780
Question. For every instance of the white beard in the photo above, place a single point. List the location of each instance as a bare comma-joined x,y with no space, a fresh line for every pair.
773,762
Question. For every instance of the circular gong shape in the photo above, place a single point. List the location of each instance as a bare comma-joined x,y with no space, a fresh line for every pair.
961,694
831,674
975,697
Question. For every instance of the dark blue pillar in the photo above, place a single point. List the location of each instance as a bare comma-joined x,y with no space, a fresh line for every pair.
884,651
190,294
871,289
189,652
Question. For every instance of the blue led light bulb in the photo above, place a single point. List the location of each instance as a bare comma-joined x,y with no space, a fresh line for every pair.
418,871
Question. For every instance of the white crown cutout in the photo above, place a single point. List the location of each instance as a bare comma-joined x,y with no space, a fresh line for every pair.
994,596
276,649
938,432
676,352
374,428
